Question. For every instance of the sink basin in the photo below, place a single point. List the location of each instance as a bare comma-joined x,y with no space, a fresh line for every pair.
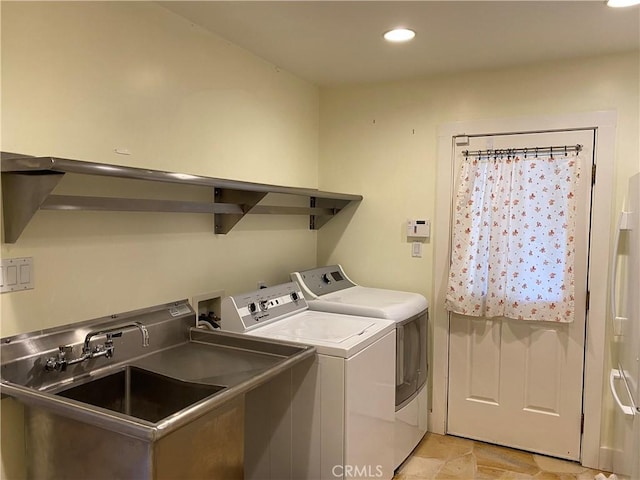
140,393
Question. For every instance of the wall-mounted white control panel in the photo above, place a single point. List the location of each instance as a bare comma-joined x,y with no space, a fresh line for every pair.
419,228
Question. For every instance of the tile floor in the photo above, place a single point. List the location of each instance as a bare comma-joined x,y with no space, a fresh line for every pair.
447,457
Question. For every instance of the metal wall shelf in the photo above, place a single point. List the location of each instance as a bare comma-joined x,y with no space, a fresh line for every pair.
27,183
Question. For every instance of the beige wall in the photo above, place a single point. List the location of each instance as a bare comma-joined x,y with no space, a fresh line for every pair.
80,79
381,141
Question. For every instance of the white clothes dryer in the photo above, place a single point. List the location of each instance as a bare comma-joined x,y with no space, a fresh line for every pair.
342,408
329,289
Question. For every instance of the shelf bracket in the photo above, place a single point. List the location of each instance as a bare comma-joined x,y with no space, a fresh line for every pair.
22,196
328,204
224,222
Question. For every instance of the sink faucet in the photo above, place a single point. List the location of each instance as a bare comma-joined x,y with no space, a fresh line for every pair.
60,362
106,350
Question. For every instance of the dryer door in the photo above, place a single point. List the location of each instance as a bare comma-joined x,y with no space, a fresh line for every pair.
411,358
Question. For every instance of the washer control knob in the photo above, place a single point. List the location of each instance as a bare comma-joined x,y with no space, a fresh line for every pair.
294,296
253,308
325,278
264,304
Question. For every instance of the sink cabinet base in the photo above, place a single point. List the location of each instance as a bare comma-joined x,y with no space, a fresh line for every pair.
210,447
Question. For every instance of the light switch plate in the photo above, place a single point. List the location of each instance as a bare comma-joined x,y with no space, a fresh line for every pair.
16,274
416,249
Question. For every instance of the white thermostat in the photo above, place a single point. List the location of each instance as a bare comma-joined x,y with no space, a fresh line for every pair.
418,228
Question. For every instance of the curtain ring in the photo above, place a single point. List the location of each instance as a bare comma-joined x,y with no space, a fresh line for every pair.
536,152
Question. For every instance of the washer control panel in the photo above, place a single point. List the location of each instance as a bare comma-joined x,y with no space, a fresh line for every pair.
322,280
249,310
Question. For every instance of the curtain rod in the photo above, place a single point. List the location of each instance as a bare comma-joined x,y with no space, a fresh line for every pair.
531,150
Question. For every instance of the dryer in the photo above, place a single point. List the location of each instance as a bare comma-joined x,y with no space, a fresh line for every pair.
342,413
329,289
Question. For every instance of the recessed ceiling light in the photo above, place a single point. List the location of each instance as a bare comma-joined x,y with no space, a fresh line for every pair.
400,35
622,3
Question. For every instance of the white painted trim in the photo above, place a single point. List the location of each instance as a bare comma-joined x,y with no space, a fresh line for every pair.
605,123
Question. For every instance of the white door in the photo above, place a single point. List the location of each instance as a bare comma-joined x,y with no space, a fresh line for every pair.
519,383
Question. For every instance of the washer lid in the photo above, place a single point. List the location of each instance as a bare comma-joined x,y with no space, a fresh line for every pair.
315,328
331,334
371,302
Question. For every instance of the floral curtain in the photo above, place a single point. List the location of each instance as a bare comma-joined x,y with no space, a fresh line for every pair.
513,238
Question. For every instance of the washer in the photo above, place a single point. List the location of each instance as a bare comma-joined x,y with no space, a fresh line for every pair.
329,289
342,407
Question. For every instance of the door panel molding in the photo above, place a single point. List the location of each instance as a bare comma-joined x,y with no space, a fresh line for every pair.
541,357
483,382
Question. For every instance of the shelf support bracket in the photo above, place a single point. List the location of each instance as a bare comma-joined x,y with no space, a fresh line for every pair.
331,204
22,196
224,222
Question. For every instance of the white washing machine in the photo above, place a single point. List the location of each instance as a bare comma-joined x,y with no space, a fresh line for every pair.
329,289
341,415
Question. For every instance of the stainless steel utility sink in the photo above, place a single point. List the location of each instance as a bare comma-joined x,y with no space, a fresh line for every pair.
140,393
171,409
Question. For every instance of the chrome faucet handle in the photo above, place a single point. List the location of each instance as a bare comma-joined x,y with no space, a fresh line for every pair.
59,362
108,345
111,336
63,350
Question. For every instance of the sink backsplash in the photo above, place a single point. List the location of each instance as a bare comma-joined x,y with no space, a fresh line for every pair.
23,357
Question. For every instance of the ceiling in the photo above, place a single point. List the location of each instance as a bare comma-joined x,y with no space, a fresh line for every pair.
332,43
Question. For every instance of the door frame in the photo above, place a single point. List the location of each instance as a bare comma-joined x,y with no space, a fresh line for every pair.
604,122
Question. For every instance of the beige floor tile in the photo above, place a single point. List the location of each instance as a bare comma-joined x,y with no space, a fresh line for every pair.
555,476
440,457
488,473
425,468
444,447
505,459
414,477
548,464
461,468
515,476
